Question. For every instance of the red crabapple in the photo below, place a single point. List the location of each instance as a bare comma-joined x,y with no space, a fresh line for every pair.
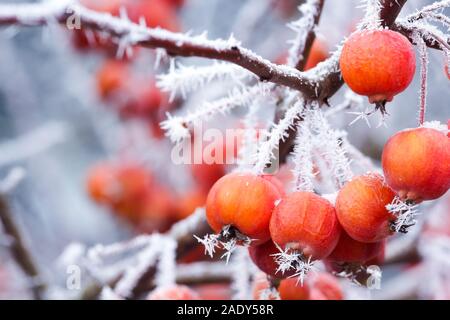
111,77
324,286
350,250
291,289
213,291
378,63
361,208
244,202
318,53
156,13
305,222
122,187
416,163
262,257
188,202
173,292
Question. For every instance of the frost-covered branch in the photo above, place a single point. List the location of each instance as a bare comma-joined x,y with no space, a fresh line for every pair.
176,44
19,250
181,79
279,132
302,157
304,27
178,127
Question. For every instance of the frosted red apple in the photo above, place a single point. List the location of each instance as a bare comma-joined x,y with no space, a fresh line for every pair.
306,222
245,202
361,208
378,64
416,163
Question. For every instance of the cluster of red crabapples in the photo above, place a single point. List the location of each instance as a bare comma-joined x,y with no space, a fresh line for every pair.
285,232
132,191
132,95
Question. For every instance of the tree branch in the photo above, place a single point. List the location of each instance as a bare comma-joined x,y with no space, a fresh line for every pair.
18,249
311,83
311,36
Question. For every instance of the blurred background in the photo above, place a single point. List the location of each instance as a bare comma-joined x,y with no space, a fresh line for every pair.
73,116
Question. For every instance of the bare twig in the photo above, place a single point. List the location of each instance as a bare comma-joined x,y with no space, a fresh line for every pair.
19,251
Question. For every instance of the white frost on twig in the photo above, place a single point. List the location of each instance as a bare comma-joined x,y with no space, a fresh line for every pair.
405,214
351,101
278,133
302,156
292,260
166,266
177,127
241,274
329,142
371,18
144,260
302,27
181,80
187,226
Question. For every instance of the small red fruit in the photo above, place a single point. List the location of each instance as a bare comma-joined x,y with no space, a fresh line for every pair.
416,164
349,250
112,76
324,286
243,201
307,222
378,63
156,13
214,291
318,53
262,256
292,289
188,202
122,187
173,292
361,208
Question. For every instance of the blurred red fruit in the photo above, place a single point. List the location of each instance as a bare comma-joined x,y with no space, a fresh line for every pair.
157,210
292,289
324,286
122,187
156,13
243,201
188,202
318,53
306,222
416,164
173,292
214,291
141,99
378,63
111,77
